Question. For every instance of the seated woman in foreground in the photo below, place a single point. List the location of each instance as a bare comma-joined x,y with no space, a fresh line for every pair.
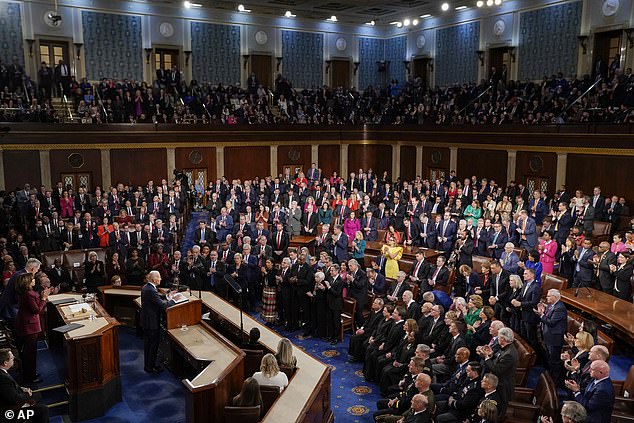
270,374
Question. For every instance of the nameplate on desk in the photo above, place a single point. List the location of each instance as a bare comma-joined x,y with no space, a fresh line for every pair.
68,327
64,301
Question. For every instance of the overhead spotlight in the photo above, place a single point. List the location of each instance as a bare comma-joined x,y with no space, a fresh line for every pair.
426,15
333,18
243,9
289,14
371,23
445,7
480,3
489,3
414,22
407,22
187,5
399,24
498,2
463,7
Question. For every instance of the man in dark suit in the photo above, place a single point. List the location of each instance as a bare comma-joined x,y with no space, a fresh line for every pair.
426,236
445,363
89,237
598,397
45,79
504,363
70,238
204,236
489,384
334,298
554,325
602,262
62,77
279,242
446,234
340,247
438,275
584,267
500,289
497,239
562,221
369,227
161,77
461,405
16,398
357,289
395,292
151,307
174,79
435,326
413,308
394,336
420,269
442,391
357,341
216,273
377,285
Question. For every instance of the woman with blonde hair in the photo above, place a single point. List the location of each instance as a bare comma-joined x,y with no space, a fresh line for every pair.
270,374
284,355
516,293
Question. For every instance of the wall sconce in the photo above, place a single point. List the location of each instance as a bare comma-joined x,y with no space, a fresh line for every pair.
356,67
480,54
30,41
187,54
511,51
583,39
406,64
629,32
148,53
431,65
279,62
328,62
78,47
245,57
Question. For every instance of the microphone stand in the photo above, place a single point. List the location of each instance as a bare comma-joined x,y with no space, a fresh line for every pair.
238,290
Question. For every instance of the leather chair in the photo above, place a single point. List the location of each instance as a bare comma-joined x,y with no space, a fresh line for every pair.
380,234
101,254
528,404
526,360
552,282
368,259
288,371
347,315
601,231
405,264
574,322
368,305
269,395
74,262
252,361
242,414
450,281
521,253
623,402
49,258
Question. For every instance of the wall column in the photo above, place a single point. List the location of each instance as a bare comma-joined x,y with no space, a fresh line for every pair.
45,167
562,164
343,161
273,163
171,162
2,184
314,155
396,161
106,175
220,162
453,159
419,161
511,164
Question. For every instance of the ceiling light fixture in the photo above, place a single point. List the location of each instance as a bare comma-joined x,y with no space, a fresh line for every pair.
414,22
489,3
289,14
333,18
463,7
399,24
480,3
371,23
189,5
243,9
445,7
426,15
498,2
407,22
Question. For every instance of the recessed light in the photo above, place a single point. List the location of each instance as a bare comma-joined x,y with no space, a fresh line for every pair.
289,14
371,23
445,6
333,18
498,2
426,15
243,9
399,24
189,4
489,3
407,22
480,3
461,7
414,22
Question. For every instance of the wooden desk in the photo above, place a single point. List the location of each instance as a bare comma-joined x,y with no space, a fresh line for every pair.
307,397
302,241
611,310
119,302
93,375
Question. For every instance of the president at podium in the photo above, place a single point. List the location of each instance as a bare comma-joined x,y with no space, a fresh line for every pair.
152,304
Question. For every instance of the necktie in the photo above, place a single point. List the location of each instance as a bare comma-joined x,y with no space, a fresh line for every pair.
279,239
212,279
433,325
417,268
436,274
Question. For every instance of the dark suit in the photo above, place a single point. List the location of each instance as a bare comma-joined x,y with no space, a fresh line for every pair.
358,289
501,290
340,249
504,364
466,400
606,278
334,300
529,320
495,243
598,400
554,325
356,347
437,277
622,285
151,307
12,397
209,237
583,273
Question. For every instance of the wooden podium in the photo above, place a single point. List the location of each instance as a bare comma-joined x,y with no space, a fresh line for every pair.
91,354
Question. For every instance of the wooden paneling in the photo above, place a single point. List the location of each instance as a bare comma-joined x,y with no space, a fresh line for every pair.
138,166
329,156
293,155
92,165
408,162
611,173
436,158
340,71
21,167
490,164
247,162
184,158
548,169
262,66
366,156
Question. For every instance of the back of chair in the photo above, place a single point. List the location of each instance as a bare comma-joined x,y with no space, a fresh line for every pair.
552,282
49,258
252,361
288,371
600,231
450,281
478,261
546,395
269,395
628,385
242,414
526,360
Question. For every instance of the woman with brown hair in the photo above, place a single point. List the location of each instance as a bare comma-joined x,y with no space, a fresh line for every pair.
249,396
27,324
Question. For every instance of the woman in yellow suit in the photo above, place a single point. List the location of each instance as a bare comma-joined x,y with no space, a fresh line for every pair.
392,254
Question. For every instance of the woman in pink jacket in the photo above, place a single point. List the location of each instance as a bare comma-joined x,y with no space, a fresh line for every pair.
66,204
351,225
547,250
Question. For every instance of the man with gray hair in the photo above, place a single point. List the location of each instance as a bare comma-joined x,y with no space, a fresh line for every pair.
553,325
503,364
152,304
357,281
395,294
8,303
